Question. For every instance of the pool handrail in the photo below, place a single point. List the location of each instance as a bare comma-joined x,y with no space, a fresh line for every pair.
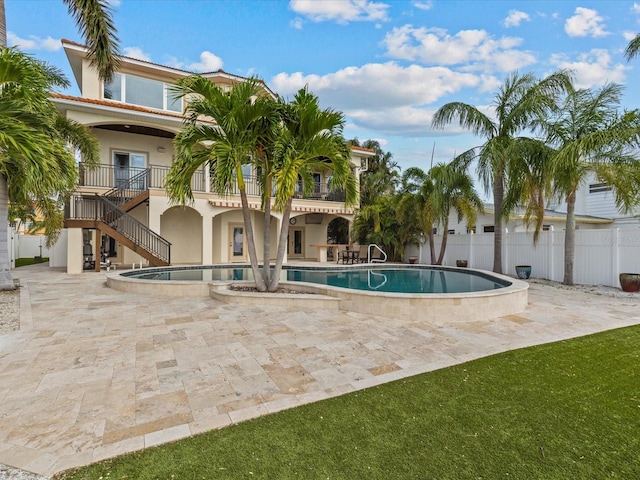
370,258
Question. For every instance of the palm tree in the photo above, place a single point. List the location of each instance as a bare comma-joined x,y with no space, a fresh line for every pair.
93,18
37,167
452,190
590,136
95,22
233,139
308,139
521,99
633,48
430,197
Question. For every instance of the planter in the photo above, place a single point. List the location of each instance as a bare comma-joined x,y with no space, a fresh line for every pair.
461,263
523,271
413,260
630,282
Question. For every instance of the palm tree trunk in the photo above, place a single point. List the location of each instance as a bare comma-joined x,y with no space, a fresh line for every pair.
443,247
6,282
3,26
432,245
498,200
570,239
282,247
251,244
266,250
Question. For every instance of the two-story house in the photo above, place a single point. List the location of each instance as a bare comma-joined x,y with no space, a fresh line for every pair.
121,208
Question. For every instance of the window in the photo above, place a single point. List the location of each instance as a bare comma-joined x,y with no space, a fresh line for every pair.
599,187
451,232
546,228
488,229
141,91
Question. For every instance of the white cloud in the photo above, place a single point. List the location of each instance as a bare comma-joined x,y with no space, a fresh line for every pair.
209,62
514,18
428,5
585,22
136,52
628,35
594,68
33,43
382,96
297,23
340,11
636,8
476,49
114,3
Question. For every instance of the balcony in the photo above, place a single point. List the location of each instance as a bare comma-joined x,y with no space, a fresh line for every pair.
108,176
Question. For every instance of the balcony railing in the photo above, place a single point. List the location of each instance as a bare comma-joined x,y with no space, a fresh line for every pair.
108,176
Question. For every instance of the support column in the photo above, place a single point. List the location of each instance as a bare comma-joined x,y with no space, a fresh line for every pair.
75,259
207,239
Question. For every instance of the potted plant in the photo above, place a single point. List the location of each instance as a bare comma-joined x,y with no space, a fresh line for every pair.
630,282
461,263
523,271
413,260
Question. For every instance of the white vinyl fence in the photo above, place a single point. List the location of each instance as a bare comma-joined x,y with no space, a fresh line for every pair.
600,255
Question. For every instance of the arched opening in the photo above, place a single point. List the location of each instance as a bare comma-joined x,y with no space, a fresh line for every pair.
182,226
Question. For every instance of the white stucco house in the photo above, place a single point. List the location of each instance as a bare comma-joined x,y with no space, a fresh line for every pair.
122,209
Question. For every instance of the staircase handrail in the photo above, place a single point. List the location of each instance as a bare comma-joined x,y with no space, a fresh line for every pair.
129,188
134,230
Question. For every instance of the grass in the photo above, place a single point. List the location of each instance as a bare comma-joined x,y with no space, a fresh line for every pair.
567,410
21,262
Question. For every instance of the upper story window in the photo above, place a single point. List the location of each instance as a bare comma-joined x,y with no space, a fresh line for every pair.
599,187
141,91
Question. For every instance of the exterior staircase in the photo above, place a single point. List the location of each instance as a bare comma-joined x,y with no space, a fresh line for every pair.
107,213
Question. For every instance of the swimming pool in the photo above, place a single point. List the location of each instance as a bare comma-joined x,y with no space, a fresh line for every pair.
335,288
395,279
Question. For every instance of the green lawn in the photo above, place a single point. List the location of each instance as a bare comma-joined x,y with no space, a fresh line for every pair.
568,410
21,262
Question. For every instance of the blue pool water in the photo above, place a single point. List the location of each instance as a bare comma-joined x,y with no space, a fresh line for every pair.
396,279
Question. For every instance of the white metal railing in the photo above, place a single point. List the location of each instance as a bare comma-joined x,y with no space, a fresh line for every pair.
371,259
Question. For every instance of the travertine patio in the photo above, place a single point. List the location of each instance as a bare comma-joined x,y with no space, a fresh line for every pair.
94,372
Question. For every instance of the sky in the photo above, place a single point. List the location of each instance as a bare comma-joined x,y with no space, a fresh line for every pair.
387,65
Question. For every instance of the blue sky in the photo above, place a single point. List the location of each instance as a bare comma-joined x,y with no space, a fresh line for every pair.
388,65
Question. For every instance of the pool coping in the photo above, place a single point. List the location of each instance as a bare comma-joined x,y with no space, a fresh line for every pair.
464,306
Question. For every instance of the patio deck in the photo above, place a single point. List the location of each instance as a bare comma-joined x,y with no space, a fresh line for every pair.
95,372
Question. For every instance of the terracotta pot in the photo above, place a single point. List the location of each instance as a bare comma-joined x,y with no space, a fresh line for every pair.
630,282
523,271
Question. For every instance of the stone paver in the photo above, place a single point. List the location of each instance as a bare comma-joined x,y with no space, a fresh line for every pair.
94,372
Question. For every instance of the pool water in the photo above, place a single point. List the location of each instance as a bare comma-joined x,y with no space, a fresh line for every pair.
397,279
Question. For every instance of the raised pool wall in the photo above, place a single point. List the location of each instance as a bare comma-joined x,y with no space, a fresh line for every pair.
432,306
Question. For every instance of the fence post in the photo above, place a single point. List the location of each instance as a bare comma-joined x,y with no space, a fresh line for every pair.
615,256
505,251
550,249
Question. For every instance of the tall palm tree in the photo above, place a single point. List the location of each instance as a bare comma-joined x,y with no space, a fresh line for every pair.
232,140
590,136
309,139
519,100
37,167
95,22
94,19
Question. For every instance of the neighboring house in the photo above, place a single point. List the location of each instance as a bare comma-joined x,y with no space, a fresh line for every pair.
121,208
595,208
